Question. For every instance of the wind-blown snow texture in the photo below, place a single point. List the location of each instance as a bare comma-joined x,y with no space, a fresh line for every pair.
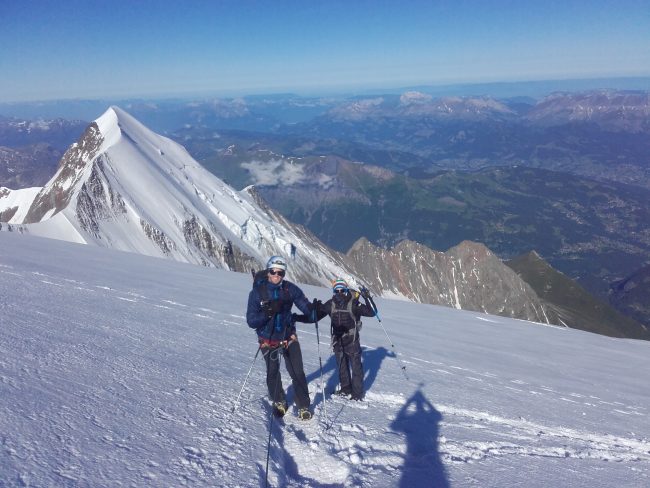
120,370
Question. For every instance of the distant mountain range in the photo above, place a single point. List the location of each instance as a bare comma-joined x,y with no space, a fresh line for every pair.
124,187
599,134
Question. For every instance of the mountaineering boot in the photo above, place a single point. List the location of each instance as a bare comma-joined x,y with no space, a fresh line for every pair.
304,414
343,392
279,409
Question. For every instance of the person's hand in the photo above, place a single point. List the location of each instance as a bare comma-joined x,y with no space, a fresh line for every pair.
315,306
272,307
365,293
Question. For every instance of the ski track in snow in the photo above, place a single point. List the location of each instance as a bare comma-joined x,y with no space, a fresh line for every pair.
160,435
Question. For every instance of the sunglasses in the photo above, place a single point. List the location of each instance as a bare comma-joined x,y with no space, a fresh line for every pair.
341,290
276,273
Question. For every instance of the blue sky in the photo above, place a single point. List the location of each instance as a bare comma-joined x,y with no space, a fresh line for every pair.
99,49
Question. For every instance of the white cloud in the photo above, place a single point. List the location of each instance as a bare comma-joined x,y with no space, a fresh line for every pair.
325,181
275,172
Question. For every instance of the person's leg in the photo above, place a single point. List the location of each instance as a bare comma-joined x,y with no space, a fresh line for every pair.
293,362
273,376
353,352
345,387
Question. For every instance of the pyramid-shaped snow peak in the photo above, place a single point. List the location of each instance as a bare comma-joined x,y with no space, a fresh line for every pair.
125,187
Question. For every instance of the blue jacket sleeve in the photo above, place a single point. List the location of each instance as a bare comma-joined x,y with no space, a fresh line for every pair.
300,300
255,316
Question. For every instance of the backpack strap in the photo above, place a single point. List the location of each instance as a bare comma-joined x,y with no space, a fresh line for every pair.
264,291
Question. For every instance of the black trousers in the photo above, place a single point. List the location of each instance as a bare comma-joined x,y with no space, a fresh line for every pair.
347,349
293,362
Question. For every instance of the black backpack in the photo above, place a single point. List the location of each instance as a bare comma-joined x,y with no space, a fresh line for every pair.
357,322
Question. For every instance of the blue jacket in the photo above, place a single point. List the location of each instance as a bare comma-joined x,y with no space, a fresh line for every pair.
281,326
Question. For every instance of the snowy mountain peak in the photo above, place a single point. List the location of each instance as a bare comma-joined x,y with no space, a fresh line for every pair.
115,123
125,187
109,126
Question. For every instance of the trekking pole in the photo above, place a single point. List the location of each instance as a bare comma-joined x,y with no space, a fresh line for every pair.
374,309
320,361
234,407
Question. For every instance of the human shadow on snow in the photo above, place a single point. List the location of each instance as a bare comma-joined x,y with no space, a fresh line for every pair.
419,421
372,359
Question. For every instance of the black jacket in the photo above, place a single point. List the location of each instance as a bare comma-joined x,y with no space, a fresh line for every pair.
342,320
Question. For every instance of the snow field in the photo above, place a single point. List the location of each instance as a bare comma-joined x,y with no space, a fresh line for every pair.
119,370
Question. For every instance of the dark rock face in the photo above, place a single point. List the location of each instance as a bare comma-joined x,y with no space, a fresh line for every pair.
215,248
97,200
6,215
632,295
56,196
165,244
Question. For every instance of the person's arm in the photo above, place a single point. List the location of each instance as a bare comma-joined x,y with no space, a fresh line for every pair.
258,314
306,307
300,300
364,309
317,313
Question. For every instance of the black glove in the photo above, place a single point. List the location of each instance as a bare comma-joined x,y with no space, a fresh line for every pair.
316,304
365,293
272,307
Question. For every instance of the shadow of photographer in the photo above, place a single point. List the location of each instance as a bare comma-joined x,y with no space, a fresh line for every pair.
419,421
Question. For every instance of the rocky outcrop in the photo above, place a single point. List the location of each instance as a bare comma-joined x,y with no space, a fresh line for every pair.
468,276
57,194
165,244
97,200
7,214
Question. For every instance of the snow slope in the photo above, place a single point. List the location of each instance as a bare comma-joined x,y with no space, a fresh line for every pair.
120,370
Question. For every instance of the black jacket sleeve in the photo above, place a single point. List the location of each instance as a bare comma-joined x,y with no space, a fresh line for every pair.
363,309
321,310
